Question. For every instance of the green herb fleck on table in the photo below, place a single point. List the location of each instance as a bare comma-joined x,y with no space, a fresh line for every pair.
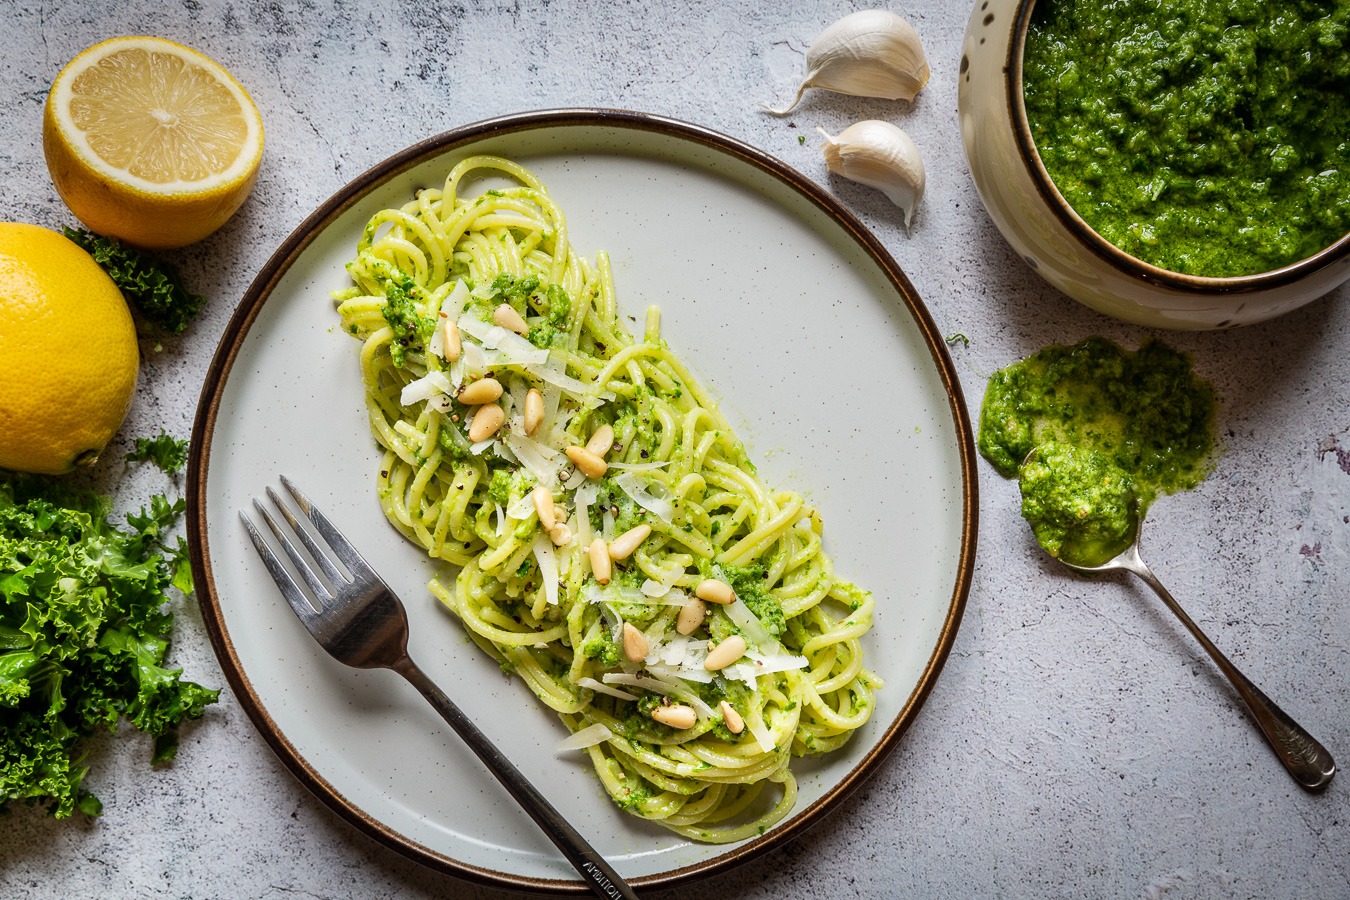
84,633
957,338
164,450
152,286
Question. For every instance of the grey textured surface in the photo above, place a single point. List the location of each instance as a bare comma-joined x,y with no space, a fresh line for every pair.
1076,743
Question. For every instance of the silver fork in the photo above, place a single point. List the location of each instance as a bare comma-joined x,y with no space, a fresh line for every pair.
361,623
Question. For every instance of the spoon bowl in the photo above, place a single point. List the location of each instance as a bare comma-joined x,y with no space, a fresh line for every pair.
1301,754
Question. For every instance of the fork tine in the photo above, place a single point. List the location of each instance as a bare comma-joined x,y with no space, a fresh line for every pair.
341,546
335,577
321,592
289,589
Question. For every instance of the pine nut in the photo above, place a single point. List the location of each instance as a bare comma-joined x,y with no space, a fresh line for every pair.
507,317
534,411
587,462
560,535
691,616
725,653
623,546
735,724
602,441
450,344
676,716
601,567
484,390
543,505
486,422
715,591
634,643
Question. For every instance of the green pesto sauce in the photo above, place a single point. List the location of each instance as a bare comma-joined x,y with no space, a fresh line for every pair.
1080,505
1210,137
1109,426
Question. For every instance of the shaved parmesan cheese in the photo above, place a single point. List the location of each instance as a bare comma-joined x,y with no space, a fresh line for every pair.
521,508
548,567
639,467
426,387
631,485
601,688
514,350
473,359
753,664
582,499
541,461
664,594
670,687
513,347
586,737
755,632
761,733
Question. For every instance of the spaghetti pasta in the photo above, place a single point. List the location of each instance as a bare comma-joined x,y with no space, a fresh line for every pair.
598,511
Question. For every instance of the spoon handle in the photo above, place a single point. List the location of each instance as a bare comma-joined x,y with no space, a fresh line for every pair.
1305,758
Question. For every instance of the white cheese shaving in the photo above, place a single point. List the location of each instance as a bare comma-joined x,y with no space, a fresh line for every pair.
426,387
754,664
473,361
631,485
514,348
761,733
601,688
541,461
755,632
639,467
548,567
521,508
589,736
670,687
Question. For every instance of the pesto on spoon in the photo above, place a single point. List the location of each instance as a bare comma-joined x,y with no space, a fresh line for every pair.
1094,433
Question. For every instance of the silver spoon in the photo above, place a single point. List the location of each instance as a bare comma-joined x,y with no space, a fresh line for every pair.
1306,759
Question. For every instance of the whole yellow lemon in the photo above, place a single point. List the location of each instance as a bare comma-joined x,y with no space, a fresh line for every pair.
68,354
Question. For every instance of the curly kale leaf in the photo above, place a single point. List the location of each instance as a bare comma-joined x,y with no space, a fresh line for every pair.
84,635
152,286
164,450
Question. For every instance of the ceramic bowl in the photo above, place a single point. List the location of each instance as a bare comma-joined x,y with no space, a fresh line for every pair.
1046,232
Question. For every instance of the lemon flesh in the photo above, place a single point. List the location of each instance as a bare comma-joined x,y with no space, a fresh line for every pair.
68,353
150,141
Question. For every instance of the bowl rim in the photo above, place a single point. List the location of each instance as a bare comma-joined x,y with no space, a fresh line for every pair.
1128,265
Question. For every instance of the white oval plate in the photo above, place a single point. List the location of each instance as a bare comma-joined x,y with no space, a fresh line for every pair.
783,304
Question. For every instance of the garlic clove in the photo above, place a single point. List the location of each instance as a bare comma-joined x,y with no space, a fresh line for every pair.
880,155
871,53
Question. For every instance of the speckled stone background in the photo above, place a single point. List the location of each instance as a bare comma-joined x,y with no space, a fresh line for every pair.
1076,744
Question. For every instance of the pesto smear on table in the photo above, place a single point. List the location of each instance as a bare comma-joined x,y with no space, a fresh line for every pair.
1108,426
1210,137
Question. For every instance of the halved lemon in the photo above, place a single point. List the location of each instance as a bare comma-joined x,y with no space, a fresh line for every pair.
150,141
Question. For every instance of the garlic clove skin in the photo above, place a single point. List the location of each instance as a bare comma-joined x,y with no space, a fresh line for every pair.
880,155
871,53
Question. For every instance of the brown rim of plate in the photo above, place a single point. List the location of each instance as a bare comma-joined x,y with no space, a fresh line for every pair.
261,288
1109,252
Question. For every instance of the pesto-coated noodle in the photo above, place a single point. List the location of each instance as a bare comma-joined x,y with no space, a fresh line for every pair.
430,279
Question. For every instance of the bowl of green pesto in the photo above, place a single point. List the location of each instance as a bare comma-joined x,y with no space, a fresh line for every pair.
1179,165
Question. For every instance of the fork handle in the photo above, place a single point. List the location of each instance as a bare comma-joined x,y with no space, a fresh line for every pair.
598,874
